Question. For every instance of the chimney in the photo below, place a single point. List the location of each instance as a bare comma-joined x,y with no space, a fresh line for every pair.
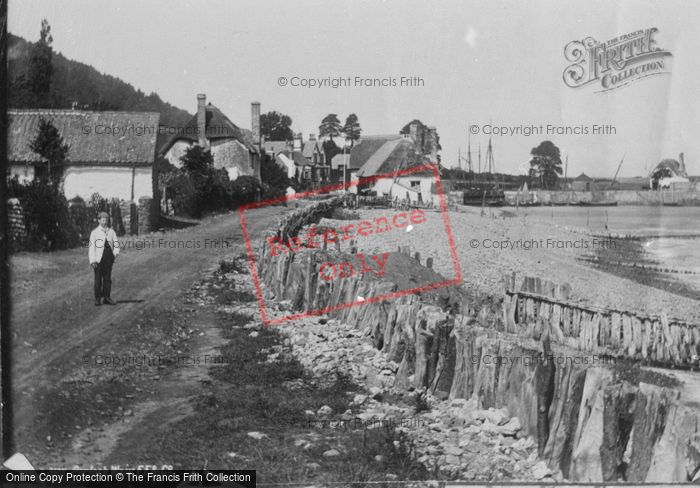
413,132
681,163
255,122
202,119
432,135
297,141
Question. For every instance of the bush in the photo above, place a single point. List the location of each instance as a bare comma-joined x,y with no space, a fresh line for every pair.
48,223
200,188
345,214
182,191
245,189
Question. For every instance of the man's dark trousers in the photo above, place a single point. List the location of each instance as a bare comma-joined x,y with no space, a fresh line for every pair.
103,274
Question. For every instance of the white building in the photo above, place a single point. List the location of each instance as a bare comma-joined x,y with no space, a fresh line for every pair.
110,153
382,155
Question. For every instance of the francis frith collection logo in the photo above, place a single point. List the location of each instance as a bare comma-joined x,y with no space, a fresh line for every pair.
615,63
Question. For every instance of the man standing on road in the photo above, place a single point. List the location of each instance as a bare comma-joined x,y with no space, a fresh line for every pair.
103,250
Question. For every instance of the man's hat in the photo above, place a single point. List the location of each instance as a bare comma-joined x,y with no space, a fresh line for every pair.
102,214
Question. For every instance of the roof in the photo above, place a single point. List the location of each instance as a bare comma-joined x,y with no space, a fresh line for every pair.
672,165
583,177
309,147
282,160
297,157
275,147
216,126
391,156
86,133
340,159
366,147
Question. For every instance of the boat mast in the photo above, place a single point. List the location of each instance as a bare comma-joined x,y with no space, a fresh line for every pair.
479,158
469,151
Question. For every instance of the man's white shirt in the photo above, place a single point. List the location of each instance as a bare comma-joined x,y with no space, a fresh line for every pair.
98,237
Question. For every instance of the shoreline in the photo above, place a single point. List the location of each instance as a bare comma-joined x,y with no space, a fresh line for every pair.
630,260
485,251
648,272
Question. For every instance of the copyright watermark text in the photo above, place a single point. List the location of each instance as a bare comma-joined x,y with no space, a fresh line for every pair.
410,81
527,130
544,360
548,244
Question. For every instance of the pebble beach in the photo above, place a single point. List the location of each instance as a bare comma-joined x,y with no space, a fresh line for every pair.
489,245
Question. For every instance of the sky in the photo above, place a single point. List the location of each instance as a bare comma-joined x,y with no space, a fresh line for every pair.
483,63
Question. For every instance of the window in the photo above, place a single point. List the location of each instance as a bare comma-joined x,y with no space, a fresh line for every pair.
415,184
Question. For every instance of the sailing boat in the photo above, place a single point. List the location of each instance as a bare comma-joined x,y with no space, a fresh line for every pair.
526,199
486,192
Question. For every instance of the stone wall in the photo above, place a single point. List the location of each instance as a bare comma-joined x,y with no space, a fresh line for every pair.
290,224
125,218
17,231
594,419
147,215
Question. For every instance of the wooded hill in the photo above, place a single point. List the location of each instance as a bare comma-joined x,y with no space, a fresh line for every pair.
73,81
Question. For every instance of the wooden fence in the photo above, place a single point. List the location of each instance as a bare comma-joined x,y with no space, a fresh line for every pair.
540,304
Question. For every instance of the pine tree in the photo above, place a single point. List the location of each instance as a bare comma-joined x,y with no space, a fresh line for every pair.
49,144
40,67
352,129
330,126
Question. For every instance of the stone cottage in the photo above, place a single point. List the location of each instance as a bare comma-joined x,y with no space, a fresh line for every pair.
234,149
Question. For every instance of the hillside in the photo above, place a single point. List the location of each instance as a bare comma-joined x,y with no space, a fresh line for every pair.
74,81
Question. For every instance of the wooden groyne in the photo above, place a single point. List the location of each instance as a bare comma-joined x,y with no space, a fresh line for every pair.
593,420
539,303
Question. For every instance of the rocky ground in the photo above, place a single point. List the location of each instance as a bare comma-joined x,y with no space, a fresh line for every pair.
454,439
491,245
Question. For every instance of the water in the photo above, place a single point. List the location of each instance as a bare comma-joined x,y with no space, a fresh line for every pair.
635,220
675,252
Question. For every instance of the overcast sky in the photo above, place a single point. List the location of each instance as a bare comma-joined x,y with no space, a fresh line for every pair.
482,62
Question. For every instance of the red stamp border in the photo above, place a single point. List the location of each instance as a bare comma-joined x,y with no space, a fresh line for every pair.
343,186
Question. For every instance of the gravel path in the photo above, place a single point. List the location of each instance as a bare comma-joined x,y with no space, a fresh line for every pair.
490,246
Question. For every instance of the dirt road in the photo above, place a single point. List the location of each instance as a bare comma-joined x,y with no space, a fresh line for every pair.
59,336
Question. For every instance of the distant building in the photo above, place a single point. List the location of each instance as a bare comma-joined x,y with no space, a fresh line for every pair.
303,161
234,149
669,173
388,154
583,182
110,153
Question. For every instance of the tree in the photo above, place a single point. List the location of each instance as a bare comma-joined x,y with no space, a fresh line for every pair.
330,149
197,159
330,126
272,174
40,68
275,126
546,164
49,144
352,129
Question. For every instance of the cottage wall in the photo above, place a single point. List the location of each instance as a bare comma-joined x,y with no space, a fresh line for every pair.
176,152
402,185
110,182
426,183
383,186
234,157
